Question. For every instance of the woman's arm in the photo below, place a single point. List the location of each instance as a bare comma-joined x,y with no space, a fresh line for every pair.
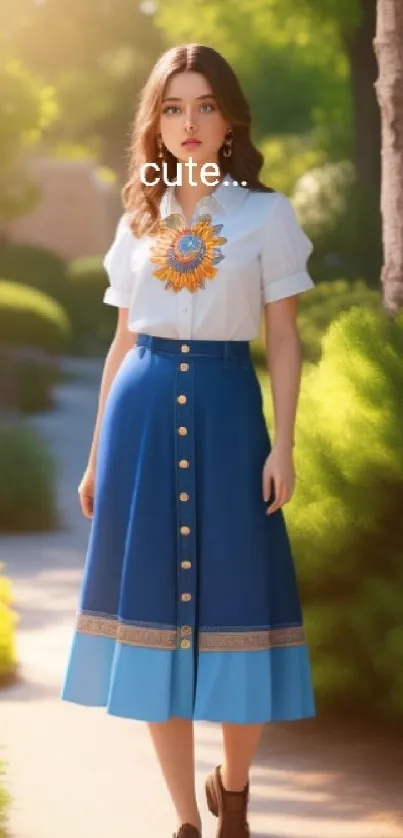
122,342
284,361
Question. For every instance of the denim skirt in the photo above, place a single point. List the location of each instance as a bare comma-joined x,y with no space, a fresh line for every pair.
189,603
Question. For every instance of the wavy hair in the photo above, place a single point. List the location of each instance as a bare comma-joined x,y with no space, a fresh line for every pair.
142,202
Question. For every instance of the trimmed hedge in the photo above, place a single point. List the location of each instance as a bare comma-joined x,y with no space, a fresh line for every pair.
28,378
345,518
31,318
36,267
27,481
93,322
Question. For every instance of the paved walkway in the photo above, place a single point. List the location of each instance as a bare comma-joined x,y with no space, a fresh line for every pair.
76,772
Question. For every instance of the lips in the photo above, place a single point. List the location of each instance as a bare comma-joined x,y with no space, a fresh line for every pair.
191,143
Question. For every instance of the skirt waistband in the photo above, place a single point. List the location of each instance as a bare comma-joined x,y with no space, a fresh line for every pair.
191,348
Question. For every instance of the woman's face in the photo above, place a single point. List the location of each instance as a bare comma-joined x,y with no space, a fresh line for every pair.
190,123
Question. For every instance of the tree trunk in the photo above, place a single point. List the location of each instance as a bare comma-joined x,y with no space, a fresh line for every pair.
389,88
363,74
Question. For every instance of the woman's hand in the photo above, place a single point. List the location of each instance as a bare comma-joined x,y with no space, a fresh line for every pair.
86,492
279,472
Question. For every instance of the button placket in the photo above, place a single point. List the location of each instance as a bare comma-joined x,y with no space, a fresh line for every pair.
184,302
185,501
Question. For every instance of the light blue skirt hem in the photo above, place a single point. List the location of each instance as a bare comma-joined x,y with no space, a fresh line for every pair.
154,685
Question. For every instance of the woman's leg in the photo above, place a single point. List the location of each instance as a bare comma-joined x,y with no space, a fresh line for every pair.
240,743
174,745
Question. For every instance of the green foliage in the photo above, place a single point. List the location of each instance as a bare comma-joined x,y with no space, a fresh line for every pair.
27,379
30,318
98,78
36,378
343,221
27,481
92,321
8,653
345,517
317,310
291,63
287,158
27,107
35,266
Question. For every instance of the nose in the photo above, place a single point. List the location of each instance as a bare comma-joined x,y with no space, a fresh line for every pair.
189,122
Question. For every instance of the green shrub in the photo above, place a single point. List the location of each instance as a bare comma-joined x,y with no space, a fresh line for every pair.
92,321
27,481
31,318
318,308
345,518
36,267
343,220
316,311
8,621
36,379
28,378
287,157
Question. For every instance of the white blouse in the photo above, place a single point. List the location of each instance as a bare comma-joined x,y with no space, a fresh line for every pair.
209,279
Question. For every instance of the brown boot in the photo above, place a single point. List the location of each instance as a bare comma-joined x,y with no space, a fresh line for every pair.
187,830
230,807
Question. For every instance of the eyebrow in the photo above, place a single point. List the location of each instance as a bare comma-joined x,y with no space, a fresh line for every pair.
176,99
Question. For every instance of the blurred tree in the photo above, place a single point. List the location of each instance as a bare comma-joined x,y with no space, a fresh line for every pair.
300,49
98,54
389,50
294,73
27,107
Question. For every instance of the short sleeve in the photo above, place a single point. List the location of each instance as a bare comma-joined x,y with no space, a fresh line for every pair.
285,252
117,264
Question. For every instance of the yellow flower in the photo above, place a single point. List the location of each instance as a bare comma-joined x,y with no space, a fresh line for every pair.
187,254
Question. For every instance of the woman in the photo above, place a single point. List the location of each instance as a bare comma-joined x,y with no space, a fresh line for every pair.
189,608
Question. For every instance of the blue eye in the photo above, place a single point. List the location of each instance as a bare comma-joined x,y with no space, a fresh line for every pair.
169,109
209,106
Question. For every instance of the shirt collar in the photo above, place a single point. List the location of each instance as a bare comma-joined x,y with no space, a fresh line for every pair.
227,196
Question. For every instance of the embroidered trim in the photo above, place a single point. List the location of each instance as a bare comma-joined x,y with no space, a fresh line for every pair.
251,641
131,635
209,641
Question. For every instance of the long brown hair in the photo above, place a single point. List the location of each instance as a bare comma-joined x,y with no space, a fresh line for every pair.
142,202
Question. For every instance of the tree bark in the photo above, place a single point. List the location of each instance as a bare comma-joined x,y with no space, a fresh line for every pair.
389,87
363,75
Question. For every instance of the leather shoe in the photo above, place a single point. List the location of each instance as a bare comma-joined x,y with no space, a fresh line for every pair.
187,830
230,807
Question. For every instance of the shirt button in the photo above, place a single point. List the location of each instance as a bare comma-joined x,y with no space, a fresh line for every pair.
182,399
182,431
186,565
185,347
186,597
183,497
185,530
185,644
183,463
184,367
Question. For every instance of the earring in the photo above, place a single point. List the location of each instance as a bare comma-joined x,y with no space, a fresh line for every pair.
227,147
160,147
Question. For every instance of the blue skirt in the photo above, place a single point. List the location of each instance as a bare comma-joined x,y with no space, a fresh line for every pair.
189,603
